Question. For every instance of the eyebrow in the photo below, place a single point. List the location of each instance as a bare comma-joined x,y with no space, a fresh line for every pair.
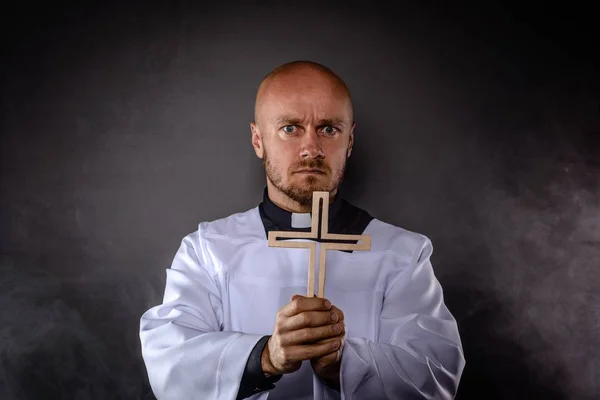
286,120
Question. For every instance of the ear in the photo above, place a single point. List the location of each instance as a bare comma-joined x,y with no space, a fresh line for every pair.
257,142
351,141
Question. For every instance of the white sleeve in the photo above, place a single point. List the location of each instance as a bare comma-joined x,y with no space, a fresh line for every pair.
186,354
418,354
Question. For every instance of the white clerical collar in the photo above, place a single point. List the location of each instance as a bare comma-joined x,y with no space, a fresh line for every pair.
301,220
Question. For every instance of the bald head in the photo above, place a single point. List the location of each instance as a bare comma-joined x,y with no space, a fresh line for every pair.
301,77
303,131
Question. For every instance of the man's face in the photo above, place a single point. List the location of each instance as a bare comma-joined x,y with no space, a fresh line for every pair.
304,135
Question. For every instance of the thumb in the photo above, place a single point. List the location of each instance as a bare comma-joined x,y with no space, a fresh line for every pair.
294,297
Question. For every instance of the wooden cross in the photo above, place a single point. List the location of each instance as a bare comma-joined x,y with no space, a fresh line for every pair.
329,241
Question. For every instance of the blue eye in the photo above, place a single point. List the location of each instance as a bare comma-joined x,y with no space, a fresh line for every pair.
330,130
289,128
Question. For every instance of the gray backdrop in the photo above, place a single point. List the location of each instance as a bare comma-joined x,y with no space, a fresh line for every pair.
125,126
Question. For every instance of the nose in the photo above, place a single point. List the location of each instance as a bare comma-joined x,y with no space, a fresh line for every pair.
311,145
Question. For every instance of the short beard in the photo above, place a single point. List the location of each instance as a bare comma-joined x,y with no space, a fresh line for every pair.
303,195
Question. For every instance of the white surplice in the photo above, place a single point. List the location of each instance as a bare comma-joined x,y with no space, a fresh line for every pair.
225,287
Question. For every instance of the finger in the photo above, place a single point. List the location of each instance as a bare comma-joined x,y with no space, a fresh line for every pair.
294,297
311,335
301,303
339,313
327,359
307,319
340,337
310,351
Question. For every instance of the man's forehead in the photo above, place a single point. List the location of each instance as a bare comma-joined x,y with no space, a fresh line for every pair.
295,118
305,101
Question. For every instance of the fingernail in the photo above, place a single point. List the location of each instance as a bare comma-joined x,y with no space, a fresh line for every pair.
335,345
336,328
334,317
327,304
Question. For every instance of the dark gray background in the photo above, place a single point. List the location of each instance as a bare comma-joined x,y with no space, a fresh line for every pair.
125,126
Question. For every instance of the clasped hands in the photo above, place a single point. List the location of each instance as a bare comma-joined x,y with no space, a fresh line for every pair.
307,328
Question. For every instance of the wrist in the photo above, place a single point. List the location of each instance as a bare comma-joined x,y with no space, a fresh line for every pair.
265,362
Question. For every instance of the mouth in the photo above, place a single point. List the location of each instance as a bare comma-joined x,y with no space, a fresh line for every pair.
311,171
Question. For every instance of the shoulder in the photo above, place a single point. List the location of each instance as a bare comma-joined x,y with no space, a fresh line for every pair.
241,226
222,234
388,238
245,225
398,241
234,229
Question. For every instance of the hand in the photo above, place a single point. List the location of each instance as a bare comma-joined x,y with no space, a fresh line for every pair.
328,367
301,332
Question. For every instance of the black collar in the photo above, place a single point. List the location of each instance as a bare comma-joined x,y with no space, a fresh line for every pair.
344,218
282,219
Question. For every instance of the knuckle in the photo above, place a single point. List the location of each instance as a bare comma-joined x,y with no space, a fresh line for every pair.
304,319
284,355
307,353
278,325
307,335
295,305
279,315
276,336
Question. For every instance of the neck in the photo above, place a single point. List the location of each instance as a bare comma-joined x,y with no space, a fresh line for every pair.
288,204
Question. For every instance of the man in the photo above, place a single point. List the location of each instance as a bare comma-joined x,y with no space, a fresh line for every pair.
233,322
